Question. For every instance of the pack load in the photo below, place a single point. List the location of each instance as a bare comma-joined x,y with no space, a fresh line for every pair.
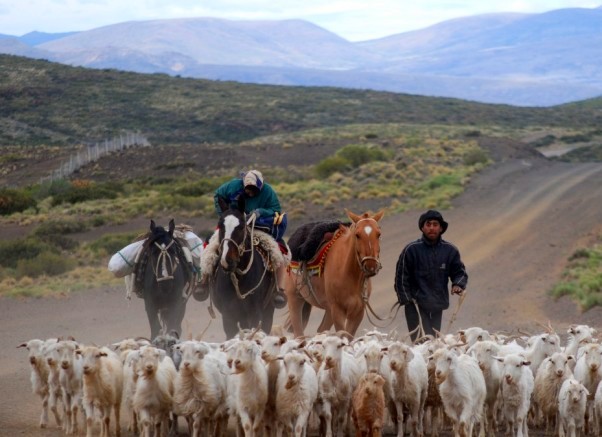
123,264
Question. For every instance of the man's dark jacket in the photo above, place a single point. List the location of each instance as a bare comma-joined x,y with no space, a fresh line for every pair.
423,271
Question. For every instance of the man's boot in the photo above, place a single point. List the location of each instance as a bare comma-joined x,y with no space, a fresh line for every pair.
201,289
279,298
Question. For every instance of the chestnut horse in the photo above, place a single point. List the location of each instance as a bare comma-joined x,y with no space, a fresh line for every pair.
343,288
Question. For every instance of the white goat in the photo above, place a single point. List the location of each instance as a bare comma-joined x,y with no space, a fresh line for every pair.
462,388
39,375
517,387
485,353
337,378
409,385
588,371
578,336
572,401
250,379
296,392
153,397
598,409
71,381
102,387
55,392
551,374
201,389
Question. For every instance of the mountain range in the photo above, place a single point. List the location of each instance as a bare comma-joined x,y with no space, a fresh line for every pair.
519,59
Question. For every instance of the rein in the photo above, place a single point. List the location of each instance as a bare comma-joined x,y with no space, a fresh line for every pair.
163,260
234,275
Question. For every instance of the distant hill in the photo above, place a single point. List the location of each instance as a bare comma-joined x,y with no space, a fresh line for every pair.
519,59
35,38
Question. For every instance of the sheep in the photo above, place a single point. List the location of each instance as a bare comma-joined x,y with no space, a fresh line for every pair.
337,378
572,403
250,379
201,388
516,390
153,397
167,342
368,405
102,387
484,352
551,374
588,371
39,375
409,385
71,381
296,393
462,388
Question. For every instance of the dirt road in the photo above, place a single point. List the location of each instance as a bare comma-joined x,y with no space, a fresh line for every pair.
515,226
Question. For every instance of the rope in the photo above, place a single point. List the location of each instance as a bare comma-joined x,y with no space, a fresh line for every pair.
453,317
162,260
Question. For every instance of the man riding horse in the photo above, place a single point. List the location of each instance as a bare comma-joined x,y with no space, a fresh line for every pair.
262,202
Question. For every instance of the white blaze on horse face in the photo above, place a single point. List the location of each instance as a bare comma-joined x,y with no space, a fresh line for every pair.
368,230
230,223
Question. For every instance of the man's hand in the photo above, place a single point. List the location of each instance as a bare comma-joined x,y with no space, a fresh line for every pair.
456,289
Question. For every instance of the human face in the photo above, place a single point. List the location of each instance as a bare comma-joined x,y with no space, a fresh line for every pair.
432,229
251,191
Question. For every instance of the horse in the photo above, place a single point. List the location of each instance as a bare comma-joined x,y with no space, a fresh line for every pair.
244,282
342,288
165,280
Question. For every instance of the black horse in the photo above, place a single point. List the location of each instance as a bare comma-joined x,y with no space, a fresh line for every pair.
244,283
165,276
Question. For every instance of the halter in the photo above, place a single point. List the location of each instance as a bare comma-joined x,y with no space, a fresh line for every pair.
362,260
162,260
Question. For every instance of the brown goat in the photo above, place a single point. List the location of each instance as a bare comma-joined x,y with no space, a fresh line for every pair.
368,406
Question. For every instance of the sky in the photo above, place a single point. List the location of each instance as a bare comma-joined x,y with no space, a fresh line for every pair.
354,20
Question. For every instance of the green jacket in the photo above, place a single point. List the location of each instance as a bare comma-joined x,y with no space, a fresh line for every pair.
265,204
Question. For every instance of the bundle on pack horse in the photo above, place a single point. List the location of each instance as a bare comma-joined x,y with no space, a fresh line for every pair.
244,280
337,279
165,278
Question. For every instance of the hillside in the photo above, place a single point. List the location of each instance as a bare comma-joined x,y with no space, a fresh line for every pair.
49,103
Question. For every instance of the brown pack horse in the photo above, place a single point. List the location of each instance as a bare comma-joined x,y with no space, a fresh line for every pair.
343,288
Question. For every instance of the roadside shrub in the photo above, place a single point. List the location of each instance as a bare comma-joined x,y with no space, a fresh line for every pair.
11,252
81,191
52,188
330,165
45,263
60,227
476,156
442,181
111,243
13,200
357,155
198,188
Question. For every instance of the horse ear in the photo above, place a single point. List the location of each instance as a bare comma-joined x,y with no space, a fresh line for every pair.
172,226
223,204
353,217
379,215
152,225
241,203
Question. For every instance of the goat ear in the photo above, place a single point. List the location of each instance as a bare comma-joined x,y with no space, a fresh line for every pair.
22,345
570,357
526,363
500,359
283,340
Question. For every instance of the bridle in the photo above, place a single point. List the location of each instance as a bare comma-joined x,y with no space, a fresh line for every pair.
163,260
362,260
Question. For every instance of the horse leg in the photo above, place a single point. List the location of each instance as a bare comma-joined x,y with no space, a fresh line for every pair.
305,313
153,317
295,307
326,323
354,319
174,320
230,327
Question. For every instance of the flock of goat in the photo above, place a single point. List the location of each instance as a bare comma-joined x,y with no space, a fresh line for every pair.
328,384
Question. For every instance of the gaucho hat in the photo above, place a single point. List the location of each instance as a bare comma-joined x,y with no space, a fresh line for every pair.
431,214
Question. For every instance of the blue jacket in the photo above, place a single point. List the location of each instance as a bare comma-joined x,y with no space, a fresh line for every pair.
424,270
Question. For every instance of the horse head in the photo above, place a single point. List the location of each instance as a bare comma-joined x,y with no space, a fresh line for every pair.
367,241
163,255
232,234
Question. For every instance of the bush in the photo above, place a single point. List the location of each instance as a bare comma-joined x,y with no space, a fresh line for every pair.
12,201
198,188
45,263
109,244
11,252
330,165
81,191
476,156
55,227
357,155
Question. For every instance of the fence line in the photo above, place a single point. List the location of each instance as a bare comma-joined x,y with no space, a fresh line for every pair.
94,151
